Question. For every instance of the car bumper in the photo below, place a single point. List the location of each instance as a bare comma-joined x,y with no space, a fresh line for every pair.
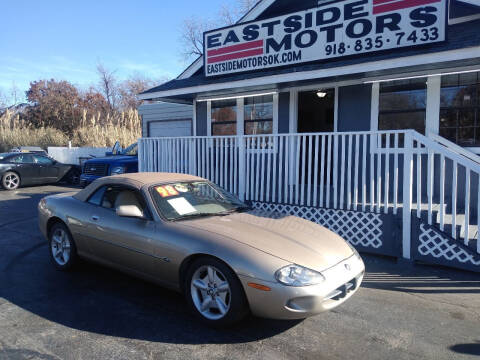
288,302
43,216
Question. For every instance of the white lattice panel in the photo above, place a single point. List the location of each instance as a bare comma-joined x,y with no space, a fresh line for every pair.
434,244
358,228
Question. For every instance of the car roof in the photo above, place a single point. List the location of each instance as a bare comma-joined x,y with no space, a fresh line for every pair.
12,153
29,148
135,180
9,154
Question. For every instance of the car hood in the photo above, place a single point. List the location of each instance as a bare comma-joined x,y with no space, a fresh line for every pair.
290,238
113,158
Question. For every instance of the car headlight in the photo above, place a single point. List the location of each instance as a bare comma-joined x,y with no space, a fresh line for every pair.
117,170
296,275
355,252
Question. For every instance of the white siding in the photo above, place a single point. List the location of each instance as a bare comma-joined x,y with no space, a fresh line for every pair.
174,114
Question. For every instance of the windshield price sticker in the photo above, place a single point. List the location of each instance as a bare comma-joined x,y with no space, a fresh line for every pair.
166,191
350,27
181,188
181,206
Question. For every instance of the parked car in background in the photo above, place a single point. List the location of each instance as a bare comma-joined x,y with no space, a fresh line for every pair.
30,149
27,168
115,163
188,234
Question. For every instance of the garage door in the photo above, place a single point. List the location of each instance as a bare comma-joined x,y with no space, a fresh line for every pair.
170,128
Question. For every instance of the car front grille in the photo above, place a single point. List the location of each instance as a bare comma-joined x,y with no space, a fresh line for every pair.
343,290
95,169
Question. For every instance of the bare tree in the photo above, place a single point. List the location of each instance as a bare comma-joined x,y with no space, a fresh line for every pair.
136,84
230,14
194,27
14,93
192,37
3,101
108,85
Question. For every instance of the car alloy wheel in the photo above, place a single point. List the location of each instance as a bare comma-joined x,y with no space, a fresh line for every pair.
60,246
210,292
11,181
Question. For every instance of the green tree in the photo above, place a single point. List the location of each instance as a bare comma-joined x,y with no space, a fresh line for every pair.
54,104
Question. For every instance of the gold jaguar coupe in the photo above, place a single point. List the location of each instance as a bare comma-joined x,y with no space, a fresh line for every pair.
185,233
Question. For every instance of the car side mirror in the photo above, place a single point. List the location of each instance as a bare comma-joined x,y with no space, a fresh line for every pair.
130,211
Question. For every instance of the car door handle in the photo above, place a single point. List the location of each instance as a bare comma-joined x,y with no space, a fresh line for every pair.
95,218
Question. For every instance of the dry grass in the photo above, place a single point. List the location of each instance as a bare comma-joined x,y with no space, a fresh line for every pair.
94,131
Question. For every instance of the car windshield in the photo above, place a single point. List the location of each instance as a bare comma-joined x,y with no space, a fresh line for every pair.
132,150
184,200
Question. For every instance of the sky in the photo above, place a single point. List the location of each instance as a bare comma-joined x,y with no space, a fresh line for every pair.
64,40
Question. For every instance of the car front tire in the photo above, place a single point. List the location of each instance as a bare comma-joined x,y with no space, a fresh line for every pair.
63,251
10,180
214,293
73,177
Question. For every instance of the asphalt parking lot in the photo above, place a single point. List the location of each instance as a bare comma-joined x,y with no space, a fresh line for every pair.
401,312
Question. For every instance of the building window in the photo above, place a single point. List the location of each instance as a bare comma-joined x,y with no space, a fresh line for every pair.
460,108
402,105
259,115
224,117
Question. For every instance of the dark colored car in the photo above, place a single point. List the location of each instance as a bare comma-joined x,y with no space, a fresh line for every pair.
28,149
115,163
18,169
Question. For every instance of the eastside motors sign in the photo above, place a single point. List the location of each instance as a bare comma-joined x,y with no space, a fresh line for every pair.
334,30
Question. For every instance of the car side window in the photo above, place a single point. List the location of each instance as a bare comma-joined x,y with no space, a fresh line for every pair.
42,160
110,196
22,159
97,196
116,196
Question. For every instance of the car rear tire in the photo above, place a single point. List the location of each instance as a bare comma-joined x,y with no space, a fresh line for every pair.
10,180
63,251
214,293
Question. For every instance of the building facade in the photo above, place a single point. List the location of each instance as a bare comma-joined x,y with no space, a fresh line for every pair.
161,119
431,87
355,114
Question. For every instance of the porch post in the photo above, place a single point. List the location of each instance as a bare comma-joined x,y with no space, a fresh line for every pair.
192,144
141,161
432,125
241,147
293,129
194,118
407,195
374,109
241,167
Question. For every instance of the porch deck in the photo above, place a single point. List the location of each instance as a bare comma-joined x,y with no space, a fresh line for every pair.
402,174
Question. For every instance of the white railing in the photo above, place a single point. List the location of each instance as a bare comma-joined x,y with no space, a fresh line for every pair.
361,171
455,148
331,170
452,183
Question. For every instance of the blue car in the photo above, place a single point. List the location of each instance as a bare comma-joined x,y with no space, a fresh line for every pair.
116,162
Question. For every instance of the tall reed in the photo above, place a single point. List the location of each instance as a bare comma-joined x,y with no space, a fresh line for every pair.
94,131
